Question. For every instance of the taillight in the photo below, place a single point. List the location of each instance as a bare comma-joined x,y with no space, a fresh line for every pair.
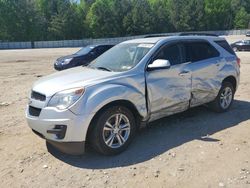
238,61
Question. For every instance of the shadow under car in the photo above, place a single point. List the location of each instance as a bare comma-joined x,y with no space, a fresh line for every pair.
163,135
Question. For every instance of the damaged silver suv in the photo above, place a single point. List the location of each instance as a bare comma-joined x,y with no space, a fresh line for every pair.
133,83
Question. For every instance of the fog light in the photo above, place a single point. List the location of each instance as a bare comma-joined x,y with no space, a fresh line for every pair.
59,131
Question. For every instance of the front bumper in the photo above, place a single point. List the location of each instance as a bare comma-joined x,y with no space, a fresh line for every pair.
72,148
62,129
58,67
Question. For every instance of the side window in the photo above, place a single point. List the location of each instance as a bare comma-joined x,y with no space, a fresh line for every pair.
100,49
197,51
225,45
97,51
171,53
93,52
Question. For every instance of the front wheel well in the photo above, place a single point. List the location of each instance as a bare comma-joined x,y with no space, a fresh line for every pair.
123,103
232,80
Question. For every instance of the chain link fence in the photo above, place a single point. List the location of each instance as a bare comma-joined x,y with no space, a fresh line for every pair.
85,42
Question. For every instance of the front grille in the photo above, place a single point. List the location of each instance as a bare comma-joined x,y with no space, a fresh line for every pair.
38,96
34,111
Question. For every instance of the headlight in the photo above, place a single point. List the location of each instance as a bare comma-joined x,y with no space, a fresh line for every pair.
66,61
66,98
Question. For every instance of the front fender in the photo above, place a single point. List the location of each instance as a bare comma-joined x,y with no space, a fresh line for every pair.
96,97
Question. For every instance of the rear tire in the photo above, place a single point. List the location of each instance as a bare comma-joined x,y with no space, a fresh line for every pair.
113,130
224,99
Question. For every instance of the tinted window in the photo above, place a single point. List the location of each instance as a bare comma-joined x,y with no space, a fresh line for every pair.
197,51
226,46
85,50
171,53
102,49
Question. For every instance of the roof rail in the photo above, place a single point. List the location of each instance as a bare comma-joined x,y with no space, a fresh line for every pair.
157,35
182,34
197,34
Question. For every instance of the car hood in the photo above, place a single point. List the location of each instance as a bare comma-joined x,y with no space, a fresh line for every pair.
71,78
68,57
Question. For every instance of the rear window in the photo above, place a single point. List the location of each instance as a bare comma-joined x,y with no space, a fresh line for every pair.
225,45
198,51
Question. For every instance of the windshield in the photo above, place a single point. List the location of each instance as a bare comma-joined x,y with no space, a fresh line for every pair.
122,57
85,50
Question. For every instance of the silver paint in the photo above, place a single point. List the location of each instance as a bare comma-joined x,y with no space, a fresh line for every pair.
154,94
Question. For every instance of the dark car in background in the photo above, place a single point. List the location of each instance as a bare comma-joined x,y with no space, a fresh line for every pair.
248,34
83,57
243,45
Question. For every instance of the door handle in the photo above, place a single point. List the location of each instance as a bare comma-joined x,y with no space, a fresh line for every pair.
183,73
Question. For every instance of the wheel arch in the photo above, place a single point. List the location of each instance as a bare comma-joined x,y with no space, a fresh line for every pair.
232,80
124,103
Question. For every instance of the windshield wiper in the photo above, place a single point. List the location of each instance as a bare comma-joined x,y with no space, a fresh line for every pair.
104,68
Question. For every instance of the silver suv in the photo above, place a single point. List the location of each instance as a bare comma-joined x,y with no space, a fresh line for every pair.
135,82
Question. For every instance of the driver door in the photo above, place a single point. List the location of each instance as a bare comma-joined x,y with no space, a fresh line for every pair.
169,90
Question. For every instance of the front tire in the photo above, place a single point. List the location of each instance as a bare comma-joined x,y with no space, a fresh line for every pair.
113,130
224,99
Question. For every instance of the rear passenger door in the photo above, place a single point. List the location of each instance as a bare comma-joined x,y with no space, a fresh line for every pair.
204,65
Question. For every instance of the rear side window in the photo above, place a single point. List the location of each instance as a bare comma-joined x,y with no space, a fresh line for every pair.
197,51
225,45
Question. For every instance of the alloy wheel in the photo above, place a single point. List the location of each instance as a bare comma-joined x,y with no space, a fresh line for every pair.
226,97
116,130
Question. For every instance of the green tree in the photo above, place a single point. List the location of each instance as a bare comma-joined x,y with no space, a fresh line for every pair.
100,19
160,14
242,19
64,19
120,11
3,29
20,20
187,15
218,14
66,23
29,20
139,20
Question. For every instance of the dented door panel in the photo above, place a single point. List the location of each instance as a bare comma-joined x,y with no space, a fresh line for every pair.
205,81
169,91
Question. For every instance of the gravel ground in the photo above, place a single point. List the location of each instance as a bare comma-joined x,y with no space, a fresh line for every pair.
197,148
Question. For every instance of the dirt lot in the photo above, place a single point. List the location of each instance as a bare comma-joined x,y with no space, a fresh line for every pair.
198,148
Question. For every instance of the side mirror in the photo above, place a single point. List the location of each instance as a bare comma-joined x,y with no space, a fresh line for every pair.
159,64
